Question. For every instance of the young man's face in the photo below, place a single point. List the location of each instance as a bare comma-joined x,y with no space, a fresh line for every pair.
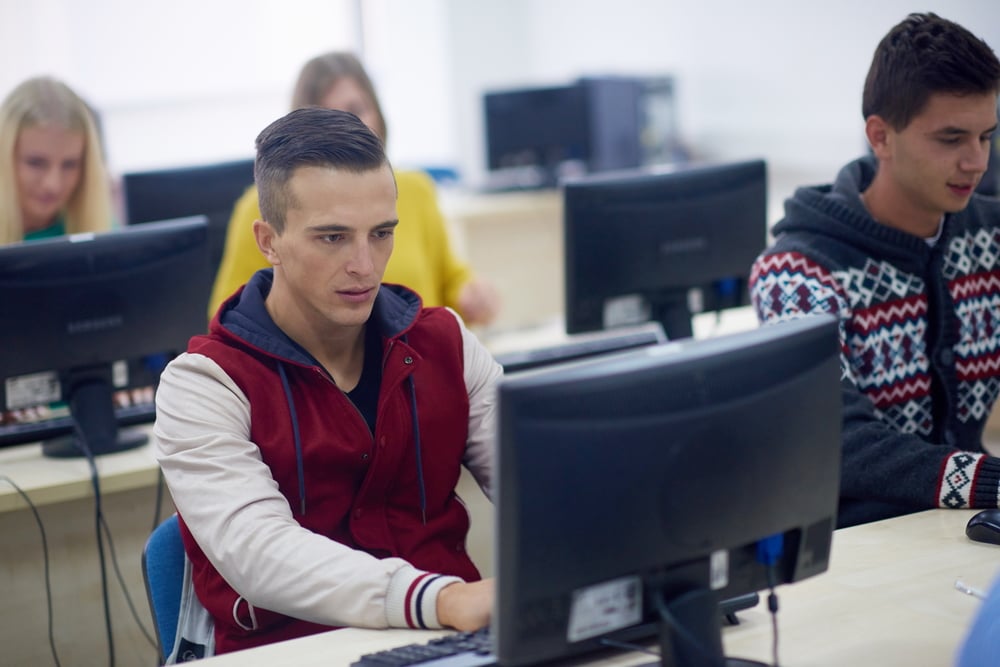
937,160
338,237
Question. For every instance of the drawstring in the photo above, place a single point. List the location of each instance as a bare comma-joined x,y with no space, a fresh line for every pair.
416,442
295,435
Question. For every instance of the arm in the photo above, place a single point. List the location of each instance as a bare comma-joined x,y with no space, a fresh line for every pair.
240,257
232,506
481,375
881,464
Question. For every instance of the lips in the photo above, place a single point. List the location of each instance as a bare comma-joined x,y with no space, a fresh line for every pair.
962,190
356,294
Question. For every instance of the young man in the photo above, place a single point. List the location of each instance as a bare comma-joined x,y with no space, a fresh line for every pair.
313,439
908,258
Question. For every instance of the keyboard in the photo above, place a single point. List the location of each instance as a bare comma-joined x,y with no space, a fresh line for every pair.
580,346
475,649
462,649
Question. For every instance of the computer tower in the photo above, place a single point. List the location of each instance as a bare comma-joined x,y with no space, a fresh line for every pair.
537,136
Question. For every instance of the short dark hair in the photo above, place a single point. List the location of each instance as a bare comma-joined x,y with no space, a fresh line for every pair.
309,137
923,55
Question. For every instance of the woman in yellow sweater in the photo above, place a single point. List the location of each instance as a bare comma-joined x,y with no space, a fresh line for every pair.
422,259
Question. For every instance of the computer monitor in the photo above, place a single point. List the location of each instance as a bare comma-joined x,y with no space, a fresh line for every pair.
537,132
89,315
661,244
638,487
210,190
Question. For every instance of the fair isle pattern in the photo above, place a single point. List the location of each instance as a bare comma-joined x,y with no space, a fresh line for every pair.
956,482
977,363
885,354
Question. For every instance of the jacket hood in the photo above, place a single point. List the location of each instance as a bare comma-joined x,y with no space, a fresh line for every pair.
837,212
245,317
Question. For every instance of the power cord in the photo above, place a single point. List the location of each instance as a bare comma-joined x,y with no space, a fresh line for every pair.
84,447
121,583
769,552
45,560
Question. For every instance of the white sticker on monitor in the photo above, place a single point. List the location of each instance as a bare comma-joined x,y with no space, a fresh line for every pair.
602,608
119,374
25,391
624,310
718,569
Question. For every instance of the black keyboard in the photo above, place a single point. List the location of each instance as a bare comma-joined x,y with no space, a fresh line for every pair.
475,649
580,346
462,649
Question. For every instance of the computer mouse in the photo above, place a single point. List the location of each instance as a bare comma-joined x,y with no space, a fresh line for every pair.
984,526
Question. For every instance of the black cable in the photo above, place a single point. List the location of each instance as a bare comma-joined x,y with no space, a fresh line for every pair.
121,582
95,482
772,605
45,560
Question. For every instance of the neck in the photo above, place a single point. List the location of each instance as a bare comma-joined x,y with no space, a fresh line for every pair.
892,208
339,349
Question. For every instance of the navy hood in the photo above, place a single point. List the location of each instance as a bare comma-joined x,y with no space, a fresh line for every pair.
837,212
245,316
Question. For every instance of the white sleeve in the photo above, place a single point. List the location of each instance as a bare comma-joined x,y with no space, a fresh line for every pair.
482,372
234,510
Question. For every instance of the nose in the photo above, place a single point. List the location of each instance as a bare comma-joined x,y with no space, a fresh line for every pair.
361,262
53,180
976,157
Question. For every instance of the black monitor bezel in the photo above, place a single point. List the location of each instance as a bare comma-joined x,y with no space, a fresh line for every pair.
710,223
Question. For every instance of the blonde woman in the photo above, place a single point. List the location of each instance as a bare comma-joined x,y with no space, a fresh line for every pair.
423,259
53,180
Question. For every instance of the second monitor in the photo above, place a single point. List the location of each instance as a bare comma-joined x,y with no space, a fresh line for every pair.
661,245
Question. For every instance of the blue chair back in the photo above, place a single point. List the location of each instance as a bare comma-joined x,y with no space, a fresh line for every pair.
163,573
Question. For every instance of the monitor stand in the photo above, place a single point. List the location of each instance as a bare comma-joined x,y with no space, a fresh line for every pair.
691,632
91,405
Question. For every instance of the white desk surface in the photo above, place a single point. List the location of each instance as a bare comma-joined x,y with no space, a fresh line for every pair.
888,599
50,480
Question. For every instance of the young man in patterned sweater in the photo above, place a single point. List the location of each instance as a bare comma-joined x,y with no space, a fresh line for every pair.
904,253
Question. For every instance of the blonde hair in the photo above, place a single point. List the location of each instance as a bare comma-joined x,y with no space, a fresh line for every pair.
47,101
319,74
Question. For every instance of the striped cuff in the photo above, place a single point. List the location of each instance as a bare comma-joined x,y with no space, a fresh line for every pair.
986,485
411,601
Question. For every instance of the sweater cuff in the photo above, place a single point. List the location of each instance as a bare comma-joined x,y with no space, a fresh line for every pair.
411,601
986,487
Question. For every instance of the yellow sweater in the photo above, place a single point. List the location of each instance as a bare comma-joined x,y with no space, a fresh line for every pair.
422,256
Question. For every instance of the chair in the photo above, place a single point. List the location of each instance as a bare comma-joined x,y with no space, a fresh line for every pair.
163,572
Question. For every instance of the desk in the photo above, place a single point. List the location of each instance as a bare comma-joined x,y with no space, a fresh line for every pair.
61,491
888,599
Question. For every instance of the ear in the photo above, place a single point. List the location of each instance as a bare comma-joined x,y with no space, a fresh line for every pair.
878,132
265,235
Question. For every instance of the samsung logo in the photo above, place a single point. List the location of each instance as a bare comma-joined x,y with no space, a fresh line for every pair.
94,324
683,246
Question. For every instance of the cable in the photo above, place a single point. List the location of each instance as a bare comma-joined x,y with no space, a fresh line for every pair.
121,582
95,482
45,559
769,552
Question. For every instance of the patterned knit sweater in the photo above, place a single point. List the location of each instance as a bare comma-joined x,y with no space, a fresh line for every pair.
920,342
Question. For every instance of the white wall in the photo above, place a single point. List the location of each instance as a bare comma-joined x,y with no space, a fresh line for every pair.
192,81
179,82
780,79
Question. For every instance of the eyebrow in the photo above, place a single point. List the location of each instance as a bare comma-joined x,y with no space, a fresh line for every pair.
335,228
952,131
